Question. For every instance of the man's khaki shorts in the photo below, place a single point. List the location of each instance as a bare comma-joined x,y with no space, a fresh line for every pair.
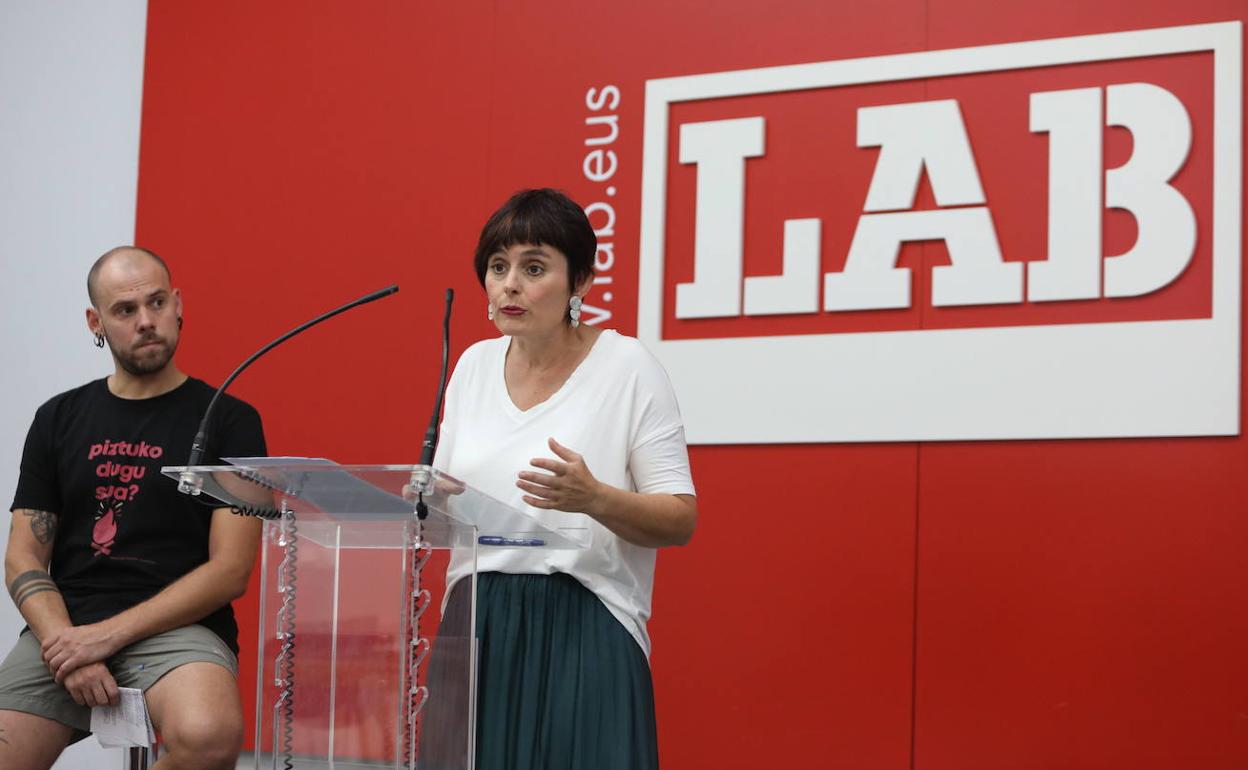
26,684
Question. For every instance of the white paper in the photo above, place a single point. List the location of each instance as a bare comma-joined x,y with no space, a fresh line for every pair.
126,724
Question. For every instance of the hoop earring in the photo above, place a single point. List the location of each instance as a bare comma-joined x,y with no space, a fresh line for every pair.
99,340
574,310
489,311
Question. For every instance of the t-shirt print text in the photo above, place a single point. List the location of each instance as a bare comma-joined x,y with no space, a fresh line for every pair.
124,484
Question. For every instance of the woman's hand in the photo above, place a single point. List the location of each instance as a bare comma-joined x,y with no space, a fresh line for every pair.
568,486
647,520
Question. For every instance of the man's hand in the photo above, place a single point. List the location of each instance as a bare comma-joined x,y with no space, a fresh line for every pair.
76,646
92,685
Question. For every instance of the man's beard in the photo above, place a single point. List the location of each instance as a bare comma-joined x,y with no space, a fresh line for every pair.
151,360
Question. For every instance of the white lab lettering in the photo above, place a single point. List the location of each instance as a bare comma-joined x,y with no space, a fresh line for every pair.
1072,270
1162,135
719,148
913,137
796,289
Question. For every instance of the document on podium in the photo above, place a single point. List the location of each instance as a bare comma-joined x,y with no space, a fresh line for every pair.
126,724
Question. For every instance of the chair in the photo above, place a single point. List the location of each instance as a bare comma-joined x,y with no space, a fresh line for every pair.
140,757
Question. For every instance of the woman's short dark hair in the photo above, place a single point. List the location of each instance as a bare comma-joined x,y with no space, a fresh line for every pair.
542,217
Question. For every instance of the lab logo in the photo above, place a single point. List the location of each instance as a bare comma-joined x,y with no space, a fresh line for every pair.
1031,240
932,137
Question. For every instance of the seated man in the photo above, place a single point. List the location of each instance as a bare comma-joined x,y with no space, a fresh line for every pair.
141,577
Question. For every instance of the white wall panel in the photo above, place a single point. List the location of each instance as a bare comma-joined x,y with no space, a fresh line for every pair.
71,76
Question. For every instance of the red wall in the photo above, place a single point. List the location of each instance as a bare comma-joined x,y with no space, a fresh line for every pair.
944,606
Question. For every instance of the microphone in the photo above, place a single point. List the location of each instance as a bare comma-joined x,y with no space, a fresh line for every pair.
187,482
431,434
422,476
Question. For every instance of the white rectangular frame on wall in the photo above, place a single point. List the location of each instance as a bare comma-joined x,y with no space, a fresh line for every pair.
1147,378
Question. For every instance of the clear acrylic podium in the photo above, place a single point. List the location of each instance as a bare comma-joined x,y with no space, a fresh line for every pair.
351,670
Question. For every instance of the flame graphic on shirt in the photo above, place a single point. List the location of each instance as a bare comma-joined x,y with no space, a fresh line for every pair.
105,531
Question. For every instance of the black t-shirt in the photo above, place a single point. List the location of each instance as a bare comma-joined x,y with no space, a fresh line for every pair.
124,532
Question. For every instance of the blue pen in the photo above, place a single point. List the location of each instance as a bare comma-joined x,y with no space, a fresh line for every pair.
509,541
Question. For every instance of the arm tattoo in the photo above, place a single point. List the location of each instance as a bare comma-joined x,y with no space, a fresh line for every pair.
27,584
42,524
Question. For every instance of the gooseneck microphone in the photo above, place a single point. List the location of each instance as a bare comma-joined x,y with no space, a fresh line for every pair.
197,446
431,434
422,476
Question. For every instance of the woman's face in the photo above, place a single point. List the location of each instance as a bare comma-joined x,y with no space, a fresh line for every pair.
528,287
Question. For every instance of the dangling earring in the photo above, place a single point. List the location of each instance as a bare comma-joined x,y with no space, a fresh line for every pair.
574,310
489,311
99,340
179,323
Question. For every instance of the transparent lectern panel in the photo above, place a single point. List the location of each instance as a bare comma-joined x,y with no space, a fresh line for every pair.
224,486
325,494
356,666
351,660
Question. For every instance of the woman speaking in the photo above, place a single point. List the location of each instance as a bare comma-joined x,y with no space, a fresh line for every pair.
556,415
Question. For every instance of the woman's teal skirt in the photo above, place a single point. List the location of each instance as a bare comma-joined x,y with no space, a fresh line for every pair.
562,685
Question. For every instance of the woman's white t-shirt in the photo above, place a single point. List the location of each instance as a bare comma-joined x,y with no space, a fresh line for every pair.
618,411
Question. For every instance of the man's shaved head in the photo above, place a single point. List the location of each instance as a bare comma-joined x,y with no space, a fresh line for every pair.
121,252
